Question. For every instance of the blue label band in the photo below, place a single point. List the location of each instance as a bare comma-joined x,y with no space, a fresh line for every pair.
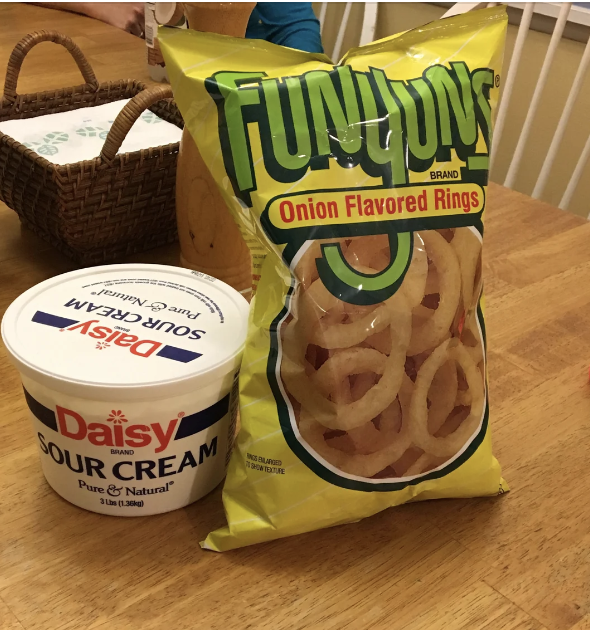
189,425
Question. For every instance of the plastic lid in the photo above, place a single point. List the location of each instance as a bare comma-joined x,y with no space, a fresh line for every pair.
131,331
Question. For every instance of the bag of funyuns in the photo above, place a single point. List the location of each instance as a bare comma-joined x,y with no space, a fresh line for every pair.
361,188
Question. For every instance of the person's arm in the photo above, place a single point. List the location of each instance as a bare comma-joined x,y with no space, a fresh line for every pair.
291,24
128,16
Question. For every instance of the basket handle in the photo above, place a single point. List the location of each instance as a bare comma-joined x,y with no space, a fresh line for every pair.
21,50
127,117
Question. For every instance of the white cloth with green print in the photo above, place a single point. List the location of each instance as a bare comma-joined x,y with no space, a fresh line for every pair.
78,135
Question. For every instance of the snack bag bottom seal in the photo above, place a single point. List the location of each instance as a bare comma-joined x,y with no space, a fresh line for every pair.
360,188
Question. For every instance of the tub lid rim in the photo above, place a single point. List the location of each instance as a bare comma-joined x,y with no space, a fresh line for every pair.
218,330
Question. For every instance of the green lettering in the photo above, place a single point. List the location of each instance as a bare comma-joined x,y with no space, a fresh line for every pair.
322,95
447,92
481,78
235,99
393,152
277,124
388,127
427,121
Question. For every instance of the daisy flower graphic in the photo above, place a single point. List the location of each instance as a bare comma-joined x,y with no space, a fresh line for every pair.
118,417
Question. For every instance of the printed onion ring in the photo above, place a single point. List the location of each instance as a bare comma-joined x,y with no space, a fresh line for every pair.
468,249
391,420
423,464
366,438
380,260
361,250
358,361
370,439
432,331
421,313
442,396
463,398
418,425
320,299
471,338
354,333
306,269
432,285
364,322
380,341
359,465
311,392
414,282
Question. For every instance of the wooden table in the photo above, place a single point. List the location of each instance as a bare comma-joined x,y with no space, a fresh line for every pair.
520,562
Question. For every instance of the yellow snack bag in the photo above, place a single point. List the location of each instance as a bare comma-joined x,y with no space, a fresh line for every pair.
361,189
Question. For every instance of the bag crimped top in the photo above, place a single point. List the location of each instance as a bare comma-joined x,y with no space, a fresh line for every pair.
360,188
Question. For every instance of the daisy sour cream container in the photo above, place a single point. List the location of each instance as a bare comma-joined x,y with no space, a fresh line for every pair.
130,376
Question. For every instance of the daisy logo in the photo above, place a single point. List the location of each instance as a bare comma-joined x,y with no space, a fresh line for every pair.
116,431
101,345
117,417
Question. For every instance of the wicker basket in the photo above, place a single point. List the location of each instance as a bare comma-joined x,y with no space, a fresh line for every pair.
97,210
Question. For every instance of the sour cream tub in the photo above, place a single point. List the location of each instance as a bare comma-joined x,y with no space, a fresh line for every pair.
130,375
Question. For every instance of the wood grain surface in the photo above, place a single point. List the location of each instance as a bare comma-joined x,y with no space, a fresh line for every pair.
519,562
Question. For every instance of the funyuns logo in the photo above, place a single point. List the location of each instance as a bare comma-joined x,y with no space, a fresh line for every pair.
388,127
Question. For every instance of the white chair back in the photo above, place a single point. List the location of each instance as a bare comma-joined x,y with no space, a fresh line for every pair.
367,29
507,93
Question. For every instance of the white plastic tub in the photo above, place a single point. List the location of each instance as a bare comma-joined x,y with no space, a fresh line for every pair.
129,372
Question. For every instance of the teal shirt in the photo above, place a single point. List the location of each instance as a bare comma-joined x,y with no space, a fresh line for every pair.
291,24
